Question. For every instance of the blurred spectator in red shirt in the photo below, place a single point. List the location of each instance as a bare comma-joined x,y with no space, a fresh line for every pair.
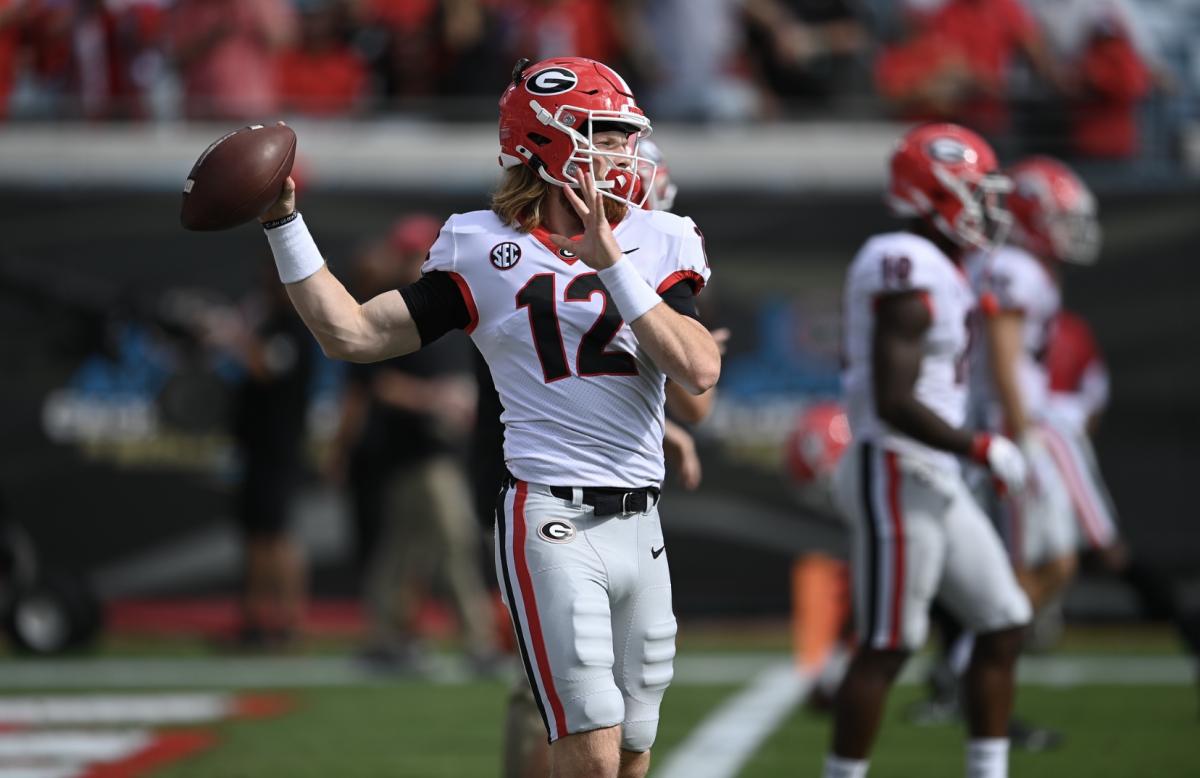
558,28
1113,79
12,15
419,48
102,49
46,57
225,51
955,63
323,75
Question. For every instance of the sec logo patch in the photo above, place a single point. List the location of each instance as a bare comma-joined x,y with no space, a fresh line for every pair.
557,531
505,255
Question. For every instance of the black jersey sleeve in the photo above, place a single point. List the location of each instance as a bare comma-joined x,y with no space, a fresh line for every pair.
682,298
437,305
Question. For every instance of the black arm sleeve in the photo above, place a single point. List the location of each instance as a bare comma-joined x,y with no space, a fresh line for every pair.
436,305
682,299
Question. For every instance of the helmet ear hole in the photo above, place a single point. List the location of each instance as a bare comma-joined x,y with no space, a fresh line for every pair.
538,139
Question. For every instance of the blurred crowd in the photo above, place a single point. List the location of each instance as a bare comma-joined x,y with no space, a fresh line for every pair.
993,64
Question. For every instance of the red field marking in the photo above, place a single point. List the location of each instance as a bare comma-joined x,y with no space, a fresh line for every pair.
219,617
165,748
262,706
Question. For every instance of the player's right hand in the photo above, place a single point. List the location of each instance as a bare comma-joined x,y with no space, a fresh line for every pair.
1004,459
284,205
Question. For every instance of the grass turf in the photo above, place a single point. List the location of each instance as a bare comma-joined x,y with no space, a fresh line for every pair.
411,730
1110,732
403,730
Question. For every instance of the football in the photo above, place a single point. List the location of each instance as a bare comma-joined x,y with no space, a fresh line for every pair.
237,177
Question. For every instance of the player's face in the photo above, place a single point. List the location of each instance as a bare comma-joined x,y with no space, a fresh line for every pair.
613,141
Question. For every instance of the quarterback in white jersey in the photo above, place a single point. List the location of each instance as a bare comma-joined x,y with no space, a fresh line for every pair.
917,533
582,305
548,329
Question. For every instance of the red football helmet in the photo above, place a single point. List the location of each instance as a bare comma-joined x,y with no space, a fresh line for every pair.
949,175
655,178
819,437
1054,212
552,109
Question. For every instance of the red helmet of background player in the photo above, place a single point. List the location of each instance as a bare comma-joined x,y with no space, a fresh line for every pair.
949,176
655,177
552,109
1054,213
414,234
819,437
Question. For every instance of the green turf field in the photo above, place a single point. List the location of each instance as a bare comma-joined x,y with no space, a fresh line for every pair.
1127,704
408,730
419,731
1110,732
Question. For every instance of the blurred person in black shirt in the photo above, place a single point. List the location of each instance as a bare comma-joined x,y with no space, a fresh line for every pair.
271,344
804,49
399,447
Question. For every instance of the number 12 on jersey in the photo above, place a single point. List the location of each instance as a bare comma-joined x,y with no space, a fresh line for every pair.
540,297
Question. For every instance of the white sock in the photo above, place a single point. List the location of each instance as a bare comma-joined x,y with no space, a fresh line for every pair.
834,670
987,757
959,655
836,767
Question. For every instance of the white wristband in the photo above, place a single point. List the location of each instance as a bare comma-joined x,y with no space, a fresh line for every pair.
296,253
625,285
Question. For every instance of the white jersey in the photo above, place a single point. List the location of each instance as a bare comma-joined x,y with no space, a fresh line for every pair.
900,262
583,403
1012,279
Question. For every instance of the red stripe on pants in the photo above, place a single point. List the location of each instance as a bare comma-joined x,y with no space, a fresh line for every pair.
1093,525
531,611
893,495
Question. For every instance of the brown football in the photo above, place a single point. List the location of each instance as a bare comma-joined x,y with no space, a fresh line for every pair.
238,177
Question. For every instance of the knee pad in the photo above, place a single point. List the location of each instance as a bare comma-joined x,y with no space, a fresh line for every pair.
638,735
644,696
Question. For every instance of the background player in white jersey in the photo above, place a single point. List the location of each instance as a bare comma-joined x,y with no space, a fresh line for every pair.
580,334
1054,221
918,534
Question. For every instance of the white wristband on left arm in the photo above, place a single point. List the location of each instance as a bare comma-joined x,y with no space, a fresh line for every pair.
296,254
632,295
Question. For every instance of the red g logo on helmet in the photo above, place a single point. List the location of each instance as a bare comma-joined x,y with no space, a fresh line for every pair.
551,81
951,151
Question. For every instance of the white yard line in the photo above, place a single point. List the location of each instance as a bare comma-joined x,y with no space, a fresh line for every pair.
690,669
726,740
270,672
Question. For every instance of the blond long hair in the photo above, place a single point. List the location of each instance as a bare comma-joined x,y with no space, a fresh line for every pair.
520,199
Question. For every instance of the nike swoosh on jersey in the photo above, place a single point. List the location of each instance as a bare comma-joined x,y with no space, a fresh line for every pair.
657,552
631,250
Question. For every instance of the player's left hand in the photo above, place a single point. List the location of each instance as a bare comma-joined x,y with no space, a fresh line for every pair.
679,449
1006,462
597,247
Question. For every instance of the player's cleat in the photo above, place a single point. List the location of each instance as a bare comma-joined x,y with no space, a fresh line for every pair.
1046,629
1028,737
408,659
488,665
254,638
934,712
